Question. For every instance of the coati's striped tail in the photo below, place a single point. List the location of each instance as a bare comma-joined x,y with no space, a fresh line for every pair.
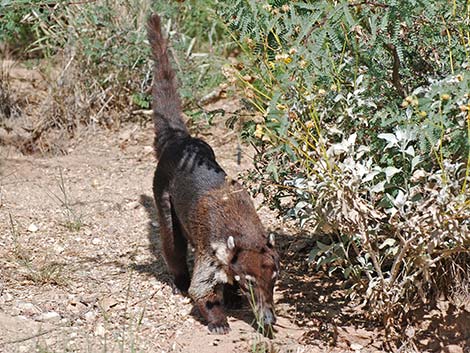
166,100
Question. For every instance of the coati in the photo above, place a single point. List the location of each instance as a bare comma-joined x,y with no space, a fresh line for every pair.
197,202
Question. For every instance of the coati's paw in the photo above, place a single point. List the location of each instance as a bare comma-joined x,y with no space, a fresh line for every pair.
219,328
182,283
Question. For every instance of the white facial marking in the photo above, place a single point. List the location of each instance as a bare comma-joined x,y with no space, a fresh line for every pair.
221,277
237,278
221,252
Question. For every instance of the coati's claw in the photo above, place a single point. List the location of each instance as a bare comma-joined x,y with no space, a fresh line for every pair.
219,328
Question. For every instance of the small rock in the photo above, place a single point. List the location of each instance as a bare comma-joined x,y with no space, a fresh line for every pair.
59,249
28,308
50,341
96,241
90,316
7,297
410,332
452,348
108,302
88,232
76,307
132,205
23,349
356,347
100,330
50,316
33,228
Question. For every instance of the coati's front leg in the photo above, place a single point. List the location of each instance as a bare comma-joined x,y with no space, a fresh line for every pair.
174,243
207,292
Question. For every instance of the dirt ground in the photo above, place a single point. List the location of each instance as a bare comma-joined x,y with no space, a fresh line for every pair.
81,269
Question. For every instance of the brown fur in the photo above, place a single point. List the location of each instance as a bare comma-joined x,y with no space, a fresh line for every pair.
196,202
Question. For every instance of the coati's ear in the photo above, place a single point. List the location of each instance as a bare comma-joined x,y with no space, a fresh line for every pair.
230,243
271,241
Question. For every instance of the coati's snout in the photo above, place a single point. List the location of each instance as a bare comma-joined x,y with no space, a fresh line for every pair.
256,271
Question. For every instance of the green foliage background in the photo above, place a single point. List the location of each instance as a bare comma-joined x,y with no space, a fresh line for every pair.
365,135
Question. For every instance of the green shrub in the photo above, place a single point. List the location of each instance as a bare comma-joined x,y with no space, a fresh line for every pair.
97,61
364,135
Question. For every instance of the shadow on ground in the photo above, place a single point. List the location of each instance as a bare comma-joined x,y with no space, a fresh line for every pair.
317,302
157,267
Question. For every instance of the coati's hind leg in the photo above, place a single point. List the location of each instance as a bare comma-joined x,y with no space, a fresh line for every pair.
174,244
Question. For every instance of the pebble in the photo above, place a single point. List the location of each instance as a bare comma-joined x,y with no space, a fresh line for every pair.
33,228
76,307
6,297
133,205
50,316
100,330
96,241
453,348
90,316
356,347
59,249
28,308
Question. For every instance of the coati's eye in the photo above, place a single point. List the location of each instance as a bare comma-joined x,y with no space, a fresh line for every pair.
234,258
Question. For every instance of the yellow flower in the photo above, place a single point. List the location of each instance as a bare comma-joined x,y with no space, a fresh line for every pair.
288,60
267,7
281,107
445,97
423,114
405,104
259,131
310,124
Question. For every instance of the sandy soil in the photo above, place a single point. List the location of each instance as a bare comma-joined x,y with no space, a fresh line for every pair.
81,269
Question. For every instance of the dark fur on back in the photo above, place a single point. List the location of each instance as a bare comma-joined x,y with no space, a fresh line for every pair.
196,202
